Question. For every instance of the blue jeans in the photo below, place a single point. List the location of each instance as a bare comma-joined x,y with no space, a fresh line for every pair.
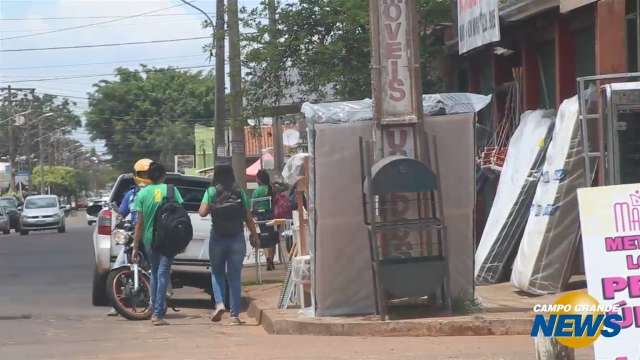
226,255
160,278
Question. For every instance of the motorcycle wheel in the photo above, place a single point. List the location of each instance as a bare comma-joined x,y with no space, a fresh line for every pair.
131,304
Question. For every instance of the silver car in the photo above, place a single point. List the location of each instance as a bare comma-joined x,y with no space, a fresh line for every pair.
4,221
42,212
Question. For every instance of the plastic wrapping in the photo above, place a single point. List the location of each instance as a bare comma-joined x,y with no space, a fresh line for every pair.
362,110
294,168
301,269
514,195
544,261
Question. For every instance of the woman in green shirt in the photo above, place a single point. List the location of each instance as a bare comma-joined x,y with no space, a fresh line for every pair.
229,209
262,208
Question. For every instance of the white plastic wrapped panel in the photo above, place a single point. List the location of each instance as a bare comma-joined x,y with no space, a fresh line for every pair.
525,148
544,261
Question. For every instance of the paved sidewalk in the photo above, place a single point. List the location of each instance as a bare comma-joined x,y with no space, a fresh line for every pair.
504,311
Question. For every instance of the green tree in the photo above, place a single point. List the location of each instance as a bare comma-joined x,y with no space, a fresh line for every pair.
150,112
324,46
62,180
55,127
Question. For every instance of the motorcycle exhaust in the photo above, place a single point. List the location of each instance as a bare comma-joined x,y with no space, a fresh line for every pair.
136,281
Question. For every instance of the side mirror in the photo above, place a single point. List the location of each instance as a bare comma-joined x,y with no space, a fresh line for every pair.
20,208
94,210
63,207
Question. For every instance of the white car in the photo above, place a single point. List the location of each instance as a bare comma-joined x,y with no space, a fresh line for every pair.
190,268
42,212
92,202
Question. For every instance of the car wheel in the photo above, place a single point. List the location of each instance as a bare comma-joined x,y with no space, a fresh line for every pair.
6,232
99,294
24,232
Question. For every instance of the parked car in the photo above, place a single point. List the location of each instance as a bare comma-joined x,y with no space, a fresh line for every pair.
91,219
190,268
4,221
10,204
42,212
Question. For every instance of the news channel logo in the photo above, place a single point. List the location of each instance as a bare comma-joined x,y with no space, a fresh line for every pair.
576,320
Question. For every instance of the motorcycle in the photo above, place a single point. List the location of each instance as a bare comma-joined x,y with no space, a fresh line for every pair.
129,282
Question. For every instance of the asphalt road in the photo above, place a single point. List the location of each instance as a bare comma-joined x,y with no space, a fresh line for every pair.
46,313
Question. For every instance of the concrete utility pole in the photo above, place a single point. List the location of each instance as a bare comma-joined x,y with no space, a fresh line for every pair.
238,156
219,140
12,140
276,126
41,157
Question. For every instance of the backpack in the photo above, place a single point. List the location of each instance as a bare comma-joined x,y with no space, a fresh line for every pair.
282,206
172,230
227,212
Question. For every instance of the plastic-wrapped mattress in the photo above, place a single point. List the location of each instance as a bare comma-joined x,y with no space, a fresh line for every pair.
545,258
512,202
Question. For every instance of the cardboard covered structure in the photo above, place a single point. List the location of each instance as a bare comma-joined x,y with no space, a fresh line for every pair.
341,267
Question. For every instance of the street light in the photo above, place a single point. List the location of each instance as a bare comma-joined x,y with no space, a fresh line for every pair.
41,149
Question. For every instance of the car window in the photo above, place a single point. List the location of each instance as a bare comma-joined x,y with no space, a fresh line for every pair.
41,203
191,190
10,203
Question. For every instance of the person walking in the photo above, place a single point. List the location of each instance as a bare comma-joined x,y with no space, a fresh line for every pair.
262,199
147,203
229,209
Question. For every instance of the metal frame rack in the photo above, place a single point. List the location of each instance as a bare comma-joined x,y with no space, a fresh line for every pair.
404,275
603,154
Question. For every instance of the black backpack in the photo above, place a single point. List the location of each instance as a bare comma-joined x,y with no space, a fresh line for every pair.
227,212
172,230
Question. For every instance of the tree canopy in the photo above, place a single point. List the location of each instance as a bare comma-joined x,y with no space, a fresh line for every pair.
28,111
150,112
325,45
62,180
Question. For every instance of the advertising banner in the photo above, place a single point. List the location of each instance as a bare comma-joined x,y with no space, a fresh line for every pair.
610,222
478,23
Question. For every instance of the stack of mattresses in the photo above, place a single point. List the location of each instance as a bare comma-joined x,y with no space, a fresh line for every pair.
545,258
514,195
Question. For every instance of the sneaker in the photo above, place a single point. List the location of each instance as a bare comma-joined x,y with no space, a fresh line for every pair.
235,321
159,322
216,315
113,312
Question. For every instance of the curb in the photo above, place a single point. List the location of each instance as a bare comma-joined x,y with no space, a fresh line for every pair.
287,322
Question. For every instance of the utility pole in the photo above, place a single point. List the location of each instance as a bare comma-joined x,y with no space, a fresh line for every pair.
276,126
12,151
238,156
12,140
41,157
219,140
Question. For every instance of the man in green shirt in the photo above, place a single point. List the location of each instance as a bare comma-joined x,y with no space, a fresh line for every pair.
147,202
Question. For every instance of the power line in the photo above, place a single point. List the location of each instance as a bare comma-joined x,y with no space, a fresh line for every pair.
105,45
89,25
101,63
106,74
93,17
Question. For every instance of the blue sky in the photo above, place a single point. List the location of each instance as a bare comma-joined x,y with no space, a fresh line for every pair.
23,17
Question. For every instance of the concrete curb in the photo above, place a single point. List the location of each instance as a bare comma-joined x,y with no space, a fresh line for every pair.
288,322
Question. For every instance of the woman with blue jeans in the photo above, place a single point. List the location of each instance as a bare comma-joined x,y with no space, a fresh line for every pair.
229,209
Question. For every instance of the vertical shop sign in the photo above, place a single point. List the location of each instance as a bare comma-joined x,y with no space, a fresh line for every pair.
395,62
